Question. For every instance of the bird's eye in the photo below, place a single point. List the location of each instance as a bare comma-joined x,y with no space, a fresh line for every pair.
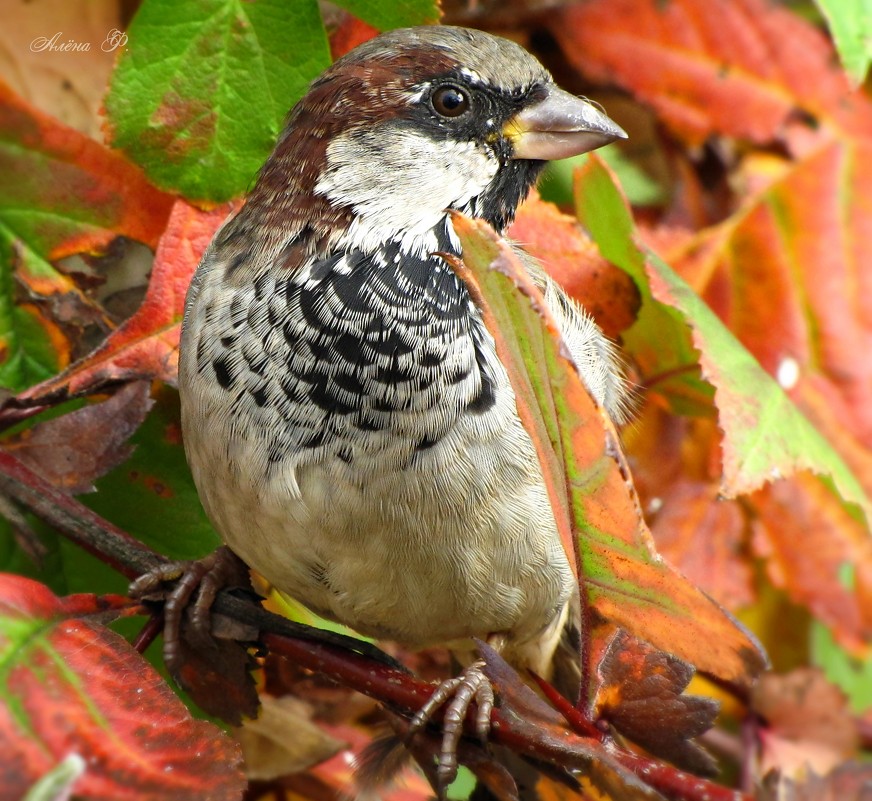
449,101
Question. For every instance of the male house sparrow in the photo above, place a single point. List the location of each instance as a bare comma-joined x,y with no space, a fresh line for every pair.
353,436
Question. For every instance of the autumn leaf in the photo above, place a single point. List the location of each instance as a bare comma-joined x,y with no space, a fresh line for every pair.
796,245
640,693
765,436
806,724
744,68
599,774
595,506
63,194
71,684
146,345
677,469
571,258
73,450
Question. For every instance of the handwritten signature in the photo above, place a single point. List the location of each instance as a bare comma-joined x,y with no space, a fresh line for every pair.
44,44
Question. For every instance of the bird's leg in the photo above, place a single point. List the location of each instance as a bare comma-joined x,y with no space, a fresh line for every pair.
459,693
176,584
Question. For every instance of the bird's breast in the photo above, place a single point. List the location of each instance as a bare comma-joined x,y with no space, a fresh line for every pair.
355,439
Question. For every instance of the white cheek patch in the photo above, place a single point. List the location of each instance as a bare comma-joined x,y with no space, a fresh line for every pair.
399,183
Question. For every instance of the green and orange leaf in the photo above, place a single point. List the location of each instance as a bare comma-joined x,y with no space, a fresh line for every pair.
63,194
621,576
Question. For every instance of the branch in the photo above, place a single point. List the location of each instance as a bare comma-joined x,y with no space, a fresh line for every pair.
349,661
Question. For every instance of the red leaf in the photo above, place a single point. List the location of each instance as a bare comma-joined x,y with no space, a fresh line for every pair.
744,68
146,346
572,259
73,686
350,33
70,193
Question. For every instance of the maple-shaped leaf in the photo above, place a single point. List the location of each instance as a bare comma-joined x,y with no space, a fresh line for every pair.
64,193
600,775
145,346
639,692
595,506
70,685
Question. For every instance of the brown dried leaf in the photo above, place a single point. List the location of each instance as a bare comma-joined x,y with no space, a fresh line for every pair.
850,782
74,450
640,694
283,739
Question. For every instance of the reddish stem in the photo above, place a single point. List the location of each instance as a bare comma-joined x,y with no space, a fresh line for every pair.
149,632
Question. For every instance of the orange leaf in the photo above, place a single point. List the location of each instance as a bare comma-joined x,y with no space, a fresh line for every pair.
146,345
572,259
677,468
622,577
743,68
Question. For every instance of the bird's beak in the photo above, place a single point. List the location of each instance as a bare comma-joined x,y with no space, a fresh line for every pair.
560,126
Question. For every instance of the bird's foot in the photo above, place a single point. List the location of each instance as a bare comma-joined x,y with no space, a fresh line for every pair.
458,695
176,584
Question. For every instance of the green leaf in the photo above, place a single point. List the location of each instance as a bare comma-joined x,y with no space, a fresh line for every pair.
659,340
850,22
27,355
152,495
203,88
387,14
765,435
852,675
641,188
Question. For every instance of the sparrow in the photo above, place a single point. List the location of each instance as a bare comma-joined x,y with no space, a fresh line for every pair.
351,431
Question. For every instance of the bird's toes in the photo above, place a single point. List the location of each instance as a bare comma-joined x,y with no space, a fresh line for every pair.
457,695
187,590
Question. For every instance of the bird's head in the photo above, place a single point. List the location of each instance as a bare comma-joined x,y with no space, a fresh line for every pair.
415,122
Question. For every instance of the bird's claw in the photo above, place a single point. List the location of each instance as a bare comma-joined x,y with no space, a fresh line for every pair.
471,686
176,584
